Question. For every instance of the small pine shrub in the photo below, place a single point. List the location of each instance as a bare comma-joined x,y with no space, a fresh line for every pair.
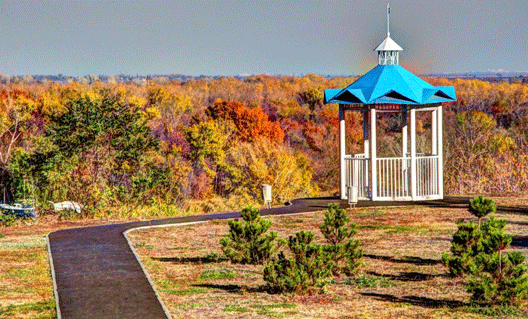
465,246
307,268
247,242
343,250
481,207
503,280
467,242
496,278
312,264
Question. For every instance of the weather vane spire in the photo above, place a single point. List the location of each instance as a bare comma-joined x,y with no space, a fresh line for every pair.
388,19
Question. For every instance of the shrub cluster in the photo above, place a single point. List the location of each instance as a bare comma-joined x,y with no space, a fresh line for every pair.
304,265
477,251
311,263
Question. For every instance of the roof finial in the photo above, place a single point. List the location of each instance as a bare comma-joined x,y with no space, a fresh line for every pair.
388,19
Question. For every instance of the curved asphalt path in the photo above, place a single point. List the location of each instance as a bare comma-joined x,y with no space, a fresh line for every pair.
97,275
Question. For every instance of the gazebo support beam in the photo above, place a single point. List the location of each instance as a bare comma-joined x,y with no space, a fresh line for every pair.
366,150
405,132
434,131
365,134
405,149
413,154
373,156
440,152
342,152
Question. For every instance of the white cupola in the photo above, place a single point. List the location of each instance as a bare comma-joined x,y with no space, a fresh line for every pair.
388,50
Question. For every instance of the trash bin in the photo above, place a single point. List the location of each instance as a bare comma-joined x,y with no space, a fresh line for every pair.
266,195
352,196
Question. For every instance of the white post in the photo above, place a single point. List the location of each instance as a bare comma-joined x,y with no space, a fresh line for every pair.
374,182
434,136
366,153
404,134
342,152
413,154
365,134
405,149
440,153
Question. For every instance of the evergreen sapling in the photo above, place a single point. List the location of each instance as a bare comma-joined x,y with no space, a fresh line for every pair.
496,278
467,241
481,207
308,267
311,264
247,241
343,250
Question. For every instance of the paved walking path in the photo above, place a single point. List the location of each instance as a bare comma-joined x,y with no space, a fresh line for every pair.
97,275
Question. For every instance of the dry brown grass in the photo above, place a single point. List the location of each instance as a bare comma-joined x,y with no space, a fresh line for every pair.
519,199
402,276
26,287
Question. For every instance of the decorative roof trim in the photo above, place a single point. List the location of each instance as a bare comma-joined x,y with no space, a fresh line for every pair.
388,45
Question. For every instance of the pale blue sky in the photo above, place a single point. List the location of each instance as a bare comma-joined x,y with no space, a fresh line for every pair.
228,37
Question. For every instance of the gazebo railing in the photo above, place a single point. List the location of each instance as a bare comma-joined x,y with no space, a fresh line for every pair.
427,176
393,177
357,174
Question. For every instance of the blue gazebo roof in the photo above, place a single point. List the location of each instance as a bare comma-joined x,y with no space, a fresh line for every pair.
390,84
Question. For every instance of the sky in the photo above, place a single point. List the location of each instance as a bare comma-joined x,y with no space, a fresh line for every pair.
229,37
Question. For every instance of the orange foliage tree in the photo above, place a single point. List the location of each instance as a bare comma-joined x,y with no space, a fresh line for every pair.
249,124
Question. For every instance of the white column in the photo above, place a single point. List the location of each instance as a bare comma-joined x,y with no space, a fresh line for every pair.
342,152
366,151
373,156
413,154
434,136
405,149
365,134
404,134
440,152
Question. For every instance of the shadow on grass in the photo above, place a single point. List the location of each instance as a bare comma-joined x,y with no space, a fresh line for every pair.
234,288
517,223
407,260
521,210
519,241
417,301
408,276
191,260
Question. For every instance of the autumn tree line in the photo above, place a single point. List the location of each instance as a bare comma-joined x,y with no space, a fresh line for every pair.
109,144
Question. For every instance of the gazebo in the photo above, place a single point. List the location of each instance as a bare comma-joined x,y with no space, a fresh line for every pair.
390,88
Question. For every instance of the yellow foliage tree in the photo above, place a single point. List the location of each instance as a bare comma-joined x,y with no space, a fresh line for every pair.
249,165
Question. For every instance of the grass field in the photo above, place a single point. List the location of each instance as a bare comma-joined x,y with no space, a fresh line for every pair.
402,276
26,287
